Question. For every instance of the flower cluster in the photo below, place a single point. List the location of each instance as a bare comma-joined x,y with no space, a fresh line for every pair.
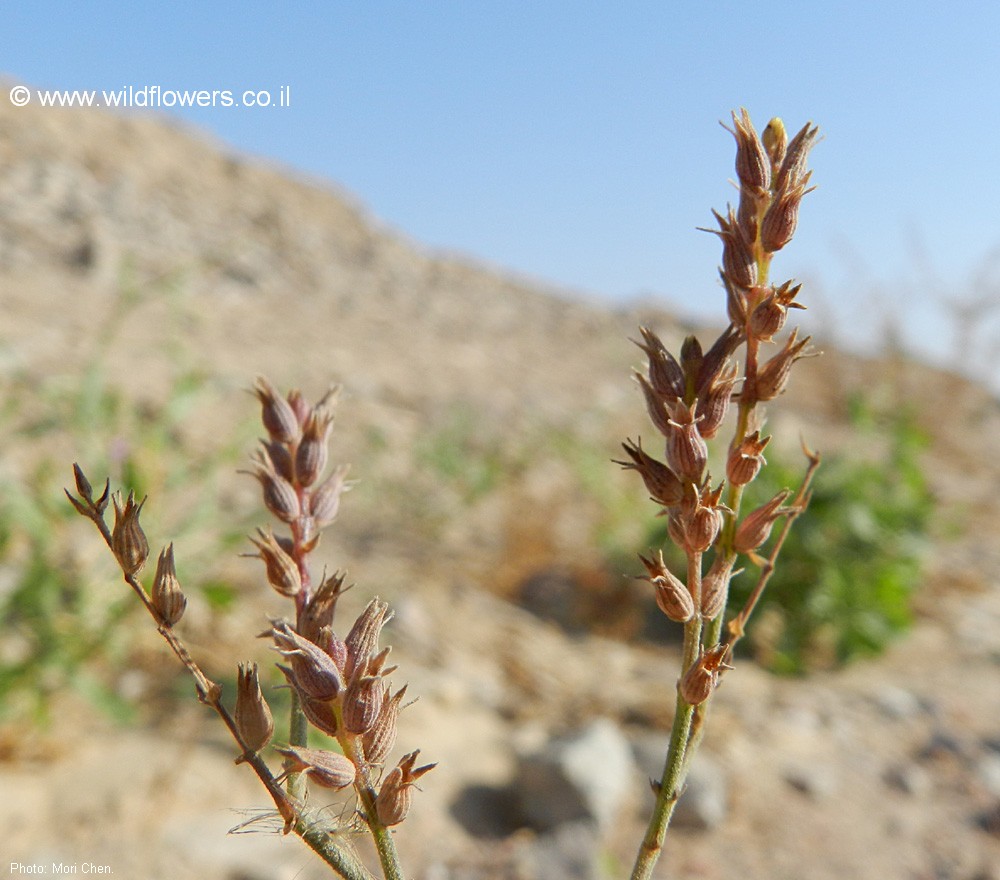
689,396
341,684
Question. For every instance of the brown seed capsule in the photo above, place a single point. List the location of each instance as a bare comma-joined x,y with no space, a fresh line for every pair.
738,264
773,376
778,226
753,166
793,167
394,797
322,606
282,571
277,415
687,452
654,405
252,715
715,587
746,460
279,495
128,541
363,697
328,769
167,597
661,482
665,375
756,527
316,673
319,713
714,403
362,640
702,678
311,454
325,500
381,737
673,598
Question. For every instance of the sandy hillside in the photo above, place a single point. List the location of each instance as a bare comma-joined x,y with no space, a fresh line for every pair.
144,248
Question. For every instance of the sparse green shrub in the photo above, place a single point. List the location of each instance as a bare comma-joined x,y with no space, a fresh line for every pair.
848,571
61,623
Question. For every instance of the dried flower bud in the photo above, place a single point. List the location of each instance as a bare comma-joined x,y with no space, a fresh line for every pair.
753,166
167,597
665,374
328,769
381,737
277,414
702,678
698,525
687,452
716,358
773,376
280,459
775,140
739,266
311,454
362,640
756,527
655,405
714,404
325,500
793,167
363,698
778,225
746,460
672,596
252,715
316,673
282,571
661,482
768,316
128,541
279,495
322,605
319,713
393,801
715,587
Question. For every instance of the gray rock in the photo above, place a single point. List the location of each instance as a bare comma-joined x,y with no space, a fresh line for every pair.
584,776
817,780
910,779
896,703
569,852
705,799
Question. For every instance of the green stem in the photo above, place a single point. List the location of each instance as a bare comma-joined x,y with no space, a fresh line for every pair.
675,769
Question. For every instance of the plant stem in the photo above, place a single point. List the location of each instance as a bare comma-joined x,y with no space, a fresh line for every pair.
668,790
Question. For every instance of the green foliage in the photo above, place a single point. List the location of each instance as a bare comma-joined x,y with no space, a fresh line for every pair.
844,581
61,605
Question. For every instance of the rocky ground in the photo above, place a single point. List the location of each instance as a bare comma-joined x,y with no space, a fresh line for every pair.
888,769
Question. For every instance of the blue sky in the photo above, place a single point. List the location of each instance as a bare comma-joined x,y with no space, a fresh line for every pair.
578,142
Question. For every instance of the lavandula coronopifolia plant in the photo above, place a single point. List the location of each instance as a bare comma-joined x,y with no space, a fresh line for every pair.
688,398
339,686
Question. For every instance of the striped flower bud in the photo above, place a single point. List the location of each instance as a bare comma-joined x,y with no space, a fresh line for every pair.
394,797
319,713
715,587
746,459
773,376
381,737
753,165
328,769
756,526
714,404
277,415
128,541
687,452
252,715
316,674
322,606
324,502
282,571
702,678
364,694
362,640
665,375
311,453
661,482
672,596
167,597
279,495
